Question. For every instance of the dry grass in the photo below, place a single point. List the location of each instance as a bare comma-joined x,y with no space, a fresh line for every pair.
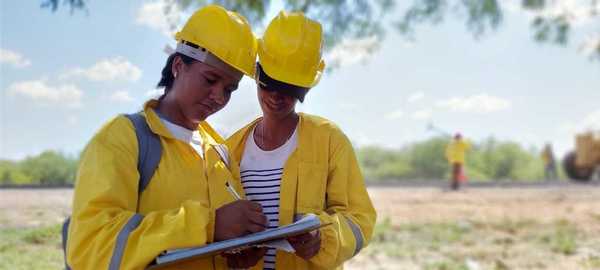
419,228
484,228
26,208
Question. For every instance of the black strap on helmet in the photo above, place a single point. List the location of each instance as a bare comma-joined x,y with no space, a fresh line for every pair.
269,84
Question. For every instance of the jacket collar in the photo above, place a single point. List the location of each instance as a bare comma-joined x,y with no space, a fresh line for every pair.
237,141
209,135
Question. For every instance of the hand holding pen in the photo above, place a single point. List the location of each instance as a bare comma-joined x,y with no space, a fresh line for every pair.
238,218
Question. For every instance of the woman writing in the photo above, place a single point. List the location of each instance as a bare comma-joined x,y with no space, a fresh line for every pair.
117,226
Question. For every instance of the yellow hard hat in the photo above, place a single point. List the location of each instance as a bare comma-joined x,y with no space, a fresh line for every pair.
224,34
290,50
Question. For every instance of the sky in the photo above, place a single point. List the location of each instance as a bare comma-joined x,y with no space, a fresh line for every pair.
63,75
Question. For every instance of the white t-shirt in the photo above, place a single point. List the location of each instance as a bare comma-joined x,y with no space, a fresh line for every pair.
261,173
191,137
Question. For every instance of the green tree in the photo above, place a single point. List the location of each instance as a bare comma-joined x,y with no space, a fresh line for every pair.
5,168
74,4
427,159
11,174
496,160
348,19
383,164
490,160
552,20
50,168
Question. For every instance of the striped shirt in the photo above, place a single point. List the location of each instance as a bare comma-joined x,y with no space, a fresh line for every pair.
261,173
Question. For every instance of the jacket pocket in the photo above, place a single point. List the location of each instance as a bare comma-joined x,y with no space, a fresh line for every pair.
312,183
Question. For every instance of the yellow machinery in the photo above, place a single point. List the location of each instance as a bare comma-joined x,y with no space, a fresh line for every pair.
581,164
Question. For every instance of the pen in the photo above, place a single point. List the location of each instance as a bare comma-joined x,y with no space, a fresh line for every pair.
232,191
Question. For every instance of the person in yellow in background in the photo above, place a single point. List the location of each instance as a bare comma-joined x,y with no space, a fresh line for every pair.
455,154
186,203
295,163
547,156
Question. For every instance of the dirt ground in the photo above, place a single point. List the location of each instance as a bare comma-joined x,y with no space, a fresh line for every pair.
579,204
520,227
34,207
545,227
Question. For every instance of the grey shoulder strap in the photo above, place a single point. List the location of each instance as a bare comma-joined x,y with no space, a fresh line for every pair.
150,149
65,234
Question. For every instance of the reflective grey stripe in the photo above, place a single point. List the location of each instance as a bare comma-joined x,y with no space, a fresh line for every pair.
115,261
223,153
357,236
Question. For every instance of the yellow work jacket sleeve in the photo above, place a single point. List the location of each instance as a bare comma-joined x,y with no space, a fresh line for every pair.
105,231
348,208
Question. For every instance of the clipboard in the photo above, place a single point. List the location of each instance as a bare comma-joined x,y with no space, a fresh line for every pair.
307,223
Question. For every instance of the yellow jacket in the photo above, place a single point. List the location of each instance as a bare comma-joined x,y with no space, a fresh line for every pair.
321,176
547,156
455,151
176,209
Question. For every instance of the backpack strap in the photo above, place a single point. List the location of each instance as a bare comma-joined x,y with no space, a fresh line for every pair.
149,154
149,150
65,233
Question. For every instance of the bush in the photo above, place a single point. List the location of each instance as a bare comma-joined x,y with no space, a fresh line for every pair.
49,168
486,161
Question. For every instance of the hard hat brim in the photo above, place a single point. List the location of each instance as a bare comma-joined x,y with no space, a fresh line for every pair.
270,84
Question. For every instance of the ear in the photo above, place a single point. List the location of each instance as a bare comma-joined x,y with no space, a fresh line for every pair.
177,66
